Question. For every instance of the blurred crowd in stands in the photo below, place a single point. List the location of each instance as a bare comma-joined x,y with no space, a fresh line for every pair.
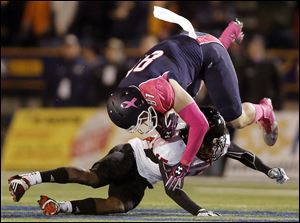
43,23
93,37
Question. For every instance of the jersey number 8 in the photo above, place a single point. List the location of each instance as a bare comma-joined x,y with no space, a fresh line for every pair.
146,61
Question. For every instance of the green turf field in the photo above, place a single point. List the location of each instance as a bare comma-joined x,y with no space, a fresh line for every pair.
235,199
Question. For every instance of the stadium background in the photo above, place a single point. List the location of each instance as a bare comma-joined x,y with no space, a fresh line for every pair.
60,61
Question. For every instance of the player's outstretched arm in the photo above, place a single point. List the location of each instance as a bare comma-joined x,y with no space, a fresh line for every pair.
250,160
189,111
182,199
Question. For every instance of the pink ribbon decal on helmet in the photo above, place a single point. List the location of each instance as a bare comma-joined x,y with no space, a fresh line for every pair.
128,104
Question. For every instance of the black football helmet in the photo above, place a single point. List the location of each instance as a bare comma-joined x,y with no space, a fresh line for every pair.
215,139
128,109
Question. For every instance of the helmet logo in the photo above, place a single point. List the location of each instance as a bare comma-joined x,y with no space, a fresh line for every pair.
128,104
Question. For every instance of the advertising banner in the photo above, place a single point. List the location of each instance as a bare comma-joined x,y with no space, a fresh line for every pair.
49,138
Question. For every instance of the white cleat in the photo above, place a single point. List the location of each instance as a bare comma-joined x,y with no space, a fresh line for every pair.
278,174
18,185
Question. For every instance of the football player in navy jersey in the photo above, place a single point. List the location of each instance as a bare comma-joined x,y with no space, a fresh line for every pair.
169,76
130,168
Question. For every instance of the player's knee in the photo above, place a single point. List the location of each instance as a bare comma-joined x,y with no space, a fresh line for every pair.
93,179
88,178
116,205
129,205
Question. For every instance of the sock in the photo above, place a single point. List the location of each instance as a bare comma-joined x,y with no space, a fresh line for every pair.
33,178
86,206
259,112
65,206
59,175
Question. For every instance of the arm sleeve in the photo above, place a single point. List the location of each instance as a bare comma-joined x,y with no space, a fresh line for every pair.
247,158
198,126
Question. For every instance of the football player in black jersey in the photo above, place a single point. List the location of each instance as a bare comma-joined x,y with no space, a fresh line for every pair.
130,168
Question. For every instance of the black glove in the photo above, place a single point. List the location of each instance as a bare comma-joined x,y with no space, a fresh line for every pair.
166,126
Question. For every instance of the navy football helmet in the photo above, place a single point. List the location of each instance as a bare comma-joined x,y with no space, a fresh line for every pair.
128,109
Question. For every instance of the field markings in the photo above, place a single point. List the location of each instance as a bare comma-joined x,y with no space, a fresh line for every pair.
25,212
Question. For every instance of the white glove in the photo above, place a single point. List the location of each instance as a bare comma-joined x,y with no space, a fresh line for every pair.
204,213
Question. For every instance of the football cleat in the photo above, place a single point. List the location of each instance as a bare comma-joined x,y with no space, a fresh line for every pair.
268,122
240,35
48,205
204,213
234,31
17,187
278,174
